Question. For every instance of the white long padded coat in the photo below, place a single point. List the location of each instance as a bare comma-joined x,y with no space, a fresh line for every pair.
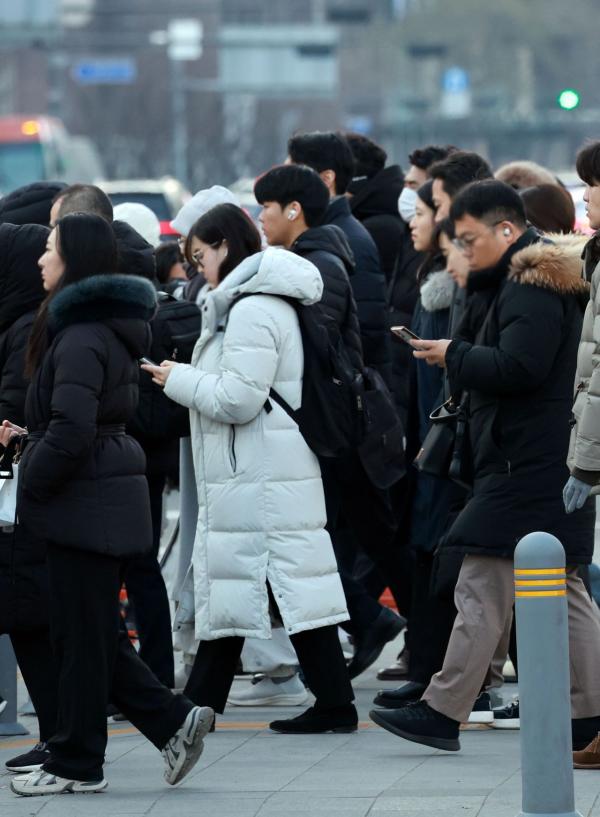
261,509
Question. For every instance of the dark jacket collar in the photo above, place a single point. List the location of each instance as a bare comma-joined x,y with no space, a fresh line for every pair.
339,207
328,238
379,194
492,277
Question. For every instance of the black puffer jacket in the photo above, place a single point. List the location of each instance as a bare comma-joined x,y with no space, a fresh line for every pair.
327,248
23,581
368,285
30,204
516,353
82,478
375,205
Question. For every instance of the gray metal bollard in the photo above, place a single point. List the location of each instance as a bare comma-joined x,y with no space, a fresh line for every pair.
8,689
544,683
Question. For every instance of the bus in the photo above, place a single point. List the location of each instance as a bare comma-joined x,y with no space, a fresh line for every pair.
39,148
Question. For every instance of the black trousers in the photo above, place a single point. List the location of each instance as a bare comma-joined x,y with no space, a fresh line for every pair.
148,596
319,653
431,621
95,660
36,662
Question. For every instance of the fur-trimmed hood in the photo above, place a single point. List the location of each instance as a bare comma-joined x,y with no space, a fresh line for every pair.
125,303
437,291
553,264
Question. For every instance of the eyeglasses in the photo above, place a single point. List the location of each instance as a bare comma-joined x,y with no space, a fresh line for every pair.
198,256
464,244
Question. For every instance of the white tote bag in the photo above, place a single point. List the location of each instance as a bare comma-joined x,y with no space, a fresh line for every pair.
8,498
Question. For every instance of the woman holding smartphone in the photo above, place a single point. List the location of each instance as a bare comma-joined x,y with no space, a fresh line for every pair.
82,488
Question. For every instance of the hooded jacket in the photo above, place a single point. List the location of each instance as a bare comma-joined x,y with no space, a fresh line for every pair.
327,248
261,510
516,356
23,579
135,256
30,204
82,479
368,285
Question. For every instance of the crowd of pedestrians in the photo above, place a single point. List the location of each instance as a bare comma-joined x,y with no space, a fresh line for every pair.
385,382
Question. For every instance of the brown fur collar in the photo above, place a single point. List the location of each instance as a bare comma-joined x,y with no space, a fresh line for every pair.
556,265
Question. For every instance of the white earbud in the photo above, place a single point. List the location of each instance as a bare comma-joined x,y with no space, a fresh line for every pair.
292,214
506,231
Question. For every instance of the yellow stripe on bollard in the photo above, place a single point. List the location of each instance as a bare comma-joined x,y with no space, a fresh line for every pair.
538,571
539,582
538,593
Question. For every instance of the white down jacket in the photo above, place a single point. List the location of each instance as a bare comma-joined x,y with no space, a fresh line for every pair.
261,509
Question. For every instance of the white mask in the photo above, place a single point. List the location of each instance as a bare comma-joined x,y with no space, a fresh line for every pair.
407,204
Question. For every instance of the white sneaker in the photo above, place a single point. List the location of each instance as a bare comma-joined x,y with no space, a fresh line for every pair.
37,784
182,752
482,710
3,705
266,692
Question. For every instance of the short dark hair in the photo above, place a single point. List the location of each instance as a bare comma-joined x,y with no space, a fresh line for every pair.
588,163
369,157
288,183
84,198
549,207
459,169
166,255
446,227
226,222
324,151
423,158
490,201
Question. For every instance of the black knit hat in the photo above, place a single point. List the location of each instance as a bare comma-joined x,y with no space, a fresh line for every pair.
29,204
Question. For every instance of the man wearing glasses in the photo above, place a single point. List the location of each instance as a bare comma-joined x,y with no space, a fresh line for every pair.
514,355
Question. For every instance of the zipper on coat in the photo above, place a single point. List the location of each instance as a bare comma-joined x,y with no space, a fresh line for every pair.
232,455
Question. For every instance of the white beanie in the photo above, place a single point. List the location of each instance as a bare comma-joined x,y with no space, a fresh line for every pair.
141,218
201,203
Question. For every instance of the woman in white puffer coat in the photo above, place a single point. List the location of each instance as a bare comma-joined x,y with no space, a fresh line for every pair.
261,549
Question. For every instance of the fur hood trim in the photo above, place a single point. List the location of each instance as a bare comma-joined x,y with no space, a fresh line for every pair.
100,298
437,291
554,264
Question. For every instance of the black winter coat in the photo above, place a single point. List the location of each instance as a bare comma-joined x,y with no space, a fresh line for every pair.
30,204
375,205
82,479
368,285
516,353
327,248
23,579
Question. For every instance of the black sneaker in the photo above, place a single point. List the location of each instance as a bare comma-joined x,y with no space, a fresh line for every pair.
397,698
315,721
482,710
507,717
583,731
369,643
30,761
420,723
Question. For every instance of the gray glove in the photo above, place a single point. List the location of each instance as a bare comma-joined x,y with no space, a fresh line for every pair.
575,494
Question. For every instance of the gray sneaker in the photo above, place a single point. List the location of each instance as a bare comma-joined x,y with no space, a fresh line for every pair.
182,752
40,783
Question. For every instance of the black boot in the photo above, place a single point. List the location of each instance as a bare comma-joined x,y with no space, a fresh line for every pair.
368,643
421,724
397,698
583,731
315,720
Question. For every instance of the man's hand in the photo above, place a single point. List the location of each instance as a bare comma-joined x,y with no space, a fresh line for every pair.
432,352
160,374
575,494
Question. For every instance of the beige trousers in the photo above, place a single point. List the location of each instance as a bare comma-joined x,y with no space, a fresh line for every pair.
484,598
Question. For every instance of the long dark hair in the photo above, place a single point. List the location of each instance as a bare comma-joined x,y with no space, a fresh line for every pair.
226,222
87,245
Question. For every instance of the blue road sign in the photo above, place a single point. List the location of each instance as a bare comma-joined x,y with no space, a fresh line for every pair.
455,80
119,71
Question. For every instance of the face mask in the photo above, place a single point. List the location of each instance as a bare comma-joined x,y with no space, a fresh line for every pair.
407,203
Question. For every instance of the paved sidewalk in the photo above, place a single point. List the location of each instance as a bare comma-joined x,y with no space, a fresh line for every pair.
248,771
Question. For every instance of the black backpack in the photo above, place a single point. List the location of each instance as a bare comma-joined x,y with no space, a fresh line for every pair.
343,409
175,330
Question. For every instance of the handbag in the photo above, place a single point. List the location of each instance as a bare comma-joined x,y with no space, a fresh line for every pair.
446,452
9,483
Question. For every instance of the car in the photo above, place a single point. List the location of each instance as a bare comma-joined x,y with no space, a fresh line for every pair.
165,197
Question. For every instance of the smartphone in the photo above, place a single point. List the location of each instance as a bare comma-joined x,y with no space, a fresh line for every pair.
404,334
147,362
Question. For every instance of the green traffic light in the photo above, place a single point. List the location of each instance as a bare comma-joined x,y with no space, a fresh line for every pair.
568,99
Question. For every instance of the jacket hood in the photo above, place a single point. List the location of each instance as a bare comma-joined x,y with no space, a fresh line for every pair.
30,204
271,272
135,256
20,279
328,238
379,194
437,292
125,303
553,264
